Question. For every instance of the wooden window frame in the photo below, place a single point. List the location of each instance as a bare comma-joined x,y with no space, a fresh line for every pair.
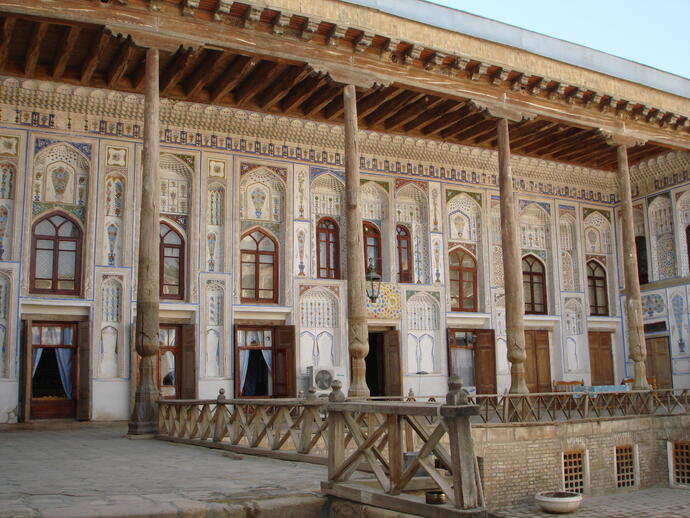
530,306
56,239
161,269
177,353
461,269
371,230
687,245
403,234
332,241
257,254
596,307
642,263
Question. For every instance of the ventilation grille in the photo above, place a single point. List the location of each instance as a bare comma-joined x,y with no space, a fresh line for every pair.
625,466
574,471
681,463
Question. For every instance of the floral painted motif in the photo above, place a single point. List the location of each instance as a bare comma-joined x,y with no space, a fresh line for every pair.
211,238
112,240
7,172
387,305
59,176
258,199
653,304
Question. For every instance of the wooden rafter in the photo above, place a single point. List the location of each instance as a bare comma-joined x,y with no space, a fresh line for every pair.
369,103
196,81
280,87
262,74
448,105
386,109
468,131
446,120
8,24
70,37
91,61
411,111
301,91
232,75
319,99
119,65
176,69
34,49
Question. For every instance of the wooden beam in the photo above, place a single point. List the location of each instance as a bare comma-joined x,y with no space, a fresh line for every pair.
262,74
446,120
320,99
177,68
119,65
301,91
447,106
7,27
385,109
468,130
574,146
232,75
552,138
410,111
91,61
532,132
370,102
199,77
64,52
281,87
34,49
579,137
334,108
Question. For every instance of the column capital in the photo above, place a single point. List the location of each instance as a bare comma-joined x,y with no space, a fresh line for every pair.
500,111
621,139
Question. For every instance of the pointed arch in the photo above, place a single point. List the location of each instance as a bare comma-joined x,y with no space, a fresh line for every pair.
534,227
259,258
327,193
534,285
597,285
462,271
56,254
464,218
172,261
372,247
327,248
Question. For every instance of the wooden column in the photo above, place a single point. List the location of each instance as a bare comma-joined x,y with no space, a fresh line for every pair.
143,420
512,266
633,300
357,328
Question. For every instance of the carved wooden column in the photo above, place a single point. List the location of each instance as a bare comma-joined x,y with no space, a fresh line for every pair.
143,420
357,328
512,266
633,301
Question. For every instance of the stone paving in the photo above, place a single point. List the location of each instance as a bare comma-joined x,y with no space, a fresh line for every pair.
72,470
95,471
646,503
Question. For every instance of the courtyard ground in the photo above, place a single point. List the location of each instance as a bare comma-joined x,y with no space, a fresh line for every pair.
91,470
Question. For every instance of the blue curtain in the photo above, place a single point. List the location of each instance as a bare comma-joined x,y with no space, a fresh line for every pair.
65,359
36,358
244,365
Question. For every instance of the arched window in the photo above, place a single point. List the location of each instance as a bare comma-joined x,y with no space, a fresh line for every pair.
641,250
534,285
372,247
463,281
259,271
171,263
56,256
404,240
327,249
596,282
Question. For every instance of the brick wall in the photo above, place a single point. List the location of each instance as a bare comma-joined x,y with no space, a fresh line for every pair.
521,459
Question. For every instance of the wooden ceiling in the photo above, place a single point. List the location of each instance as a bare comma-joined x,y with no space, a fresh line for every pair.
90,55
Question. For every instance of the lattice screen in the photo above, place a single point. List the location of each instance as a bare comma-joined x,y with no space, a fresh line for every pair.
574,471
681,463
625,466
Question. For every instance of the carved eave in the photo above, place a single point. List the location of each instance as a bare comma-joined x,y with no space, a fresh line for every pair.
259,57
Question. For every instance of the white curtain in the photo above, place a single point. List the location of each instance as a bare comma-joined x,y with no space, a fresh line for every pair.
244,365
268,358
38,352
65,359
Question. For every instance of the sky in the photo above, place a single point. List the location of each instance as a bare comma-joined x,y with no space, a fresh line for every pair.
651,32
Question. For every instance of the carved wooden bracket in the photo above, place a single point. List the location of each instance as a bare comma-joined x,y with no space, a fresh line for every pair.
621,139
500,111
347,75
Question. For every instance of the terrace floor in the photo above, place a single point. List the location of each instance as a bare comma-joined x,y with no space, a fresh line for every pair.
87,470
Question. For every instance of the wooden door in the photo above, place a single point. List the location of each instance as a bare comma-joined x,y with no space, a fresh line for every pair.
538,363
84,372
25,372
485,362
659,361
170,369
601,358
284,362
393,369
188,373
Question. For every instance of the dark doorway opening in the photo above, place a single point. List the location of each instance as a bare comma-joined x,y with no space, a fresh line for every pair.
375,365
258,376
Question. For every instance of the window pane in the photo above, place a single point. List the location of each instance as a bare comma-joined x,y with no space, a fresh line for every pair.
44,244
248,276
171,271
44,284
266,294
266,276
68,245
51,335
468,262
248,294
68,230
172,252
462,364
167,374
44,264
247,244
170,290
266,259
45,228
454,261
171,238
266,245
162,337
66,285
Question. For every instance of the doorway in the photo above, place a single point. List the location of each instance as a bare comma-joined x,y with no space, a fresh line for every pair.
659,361
383,368
538,363
600,358
472,357
55,370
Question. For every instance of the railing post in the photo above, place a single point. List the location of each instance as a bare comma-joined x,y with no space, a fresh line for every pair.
395,455
336,442
461,449
219,417
307,428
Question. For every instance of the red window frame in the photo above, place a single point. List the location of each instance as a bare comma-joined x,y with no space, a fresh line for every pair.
372,242
165,252
328,237
597,282
257,256
458,271
57,241
534,279
403,238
